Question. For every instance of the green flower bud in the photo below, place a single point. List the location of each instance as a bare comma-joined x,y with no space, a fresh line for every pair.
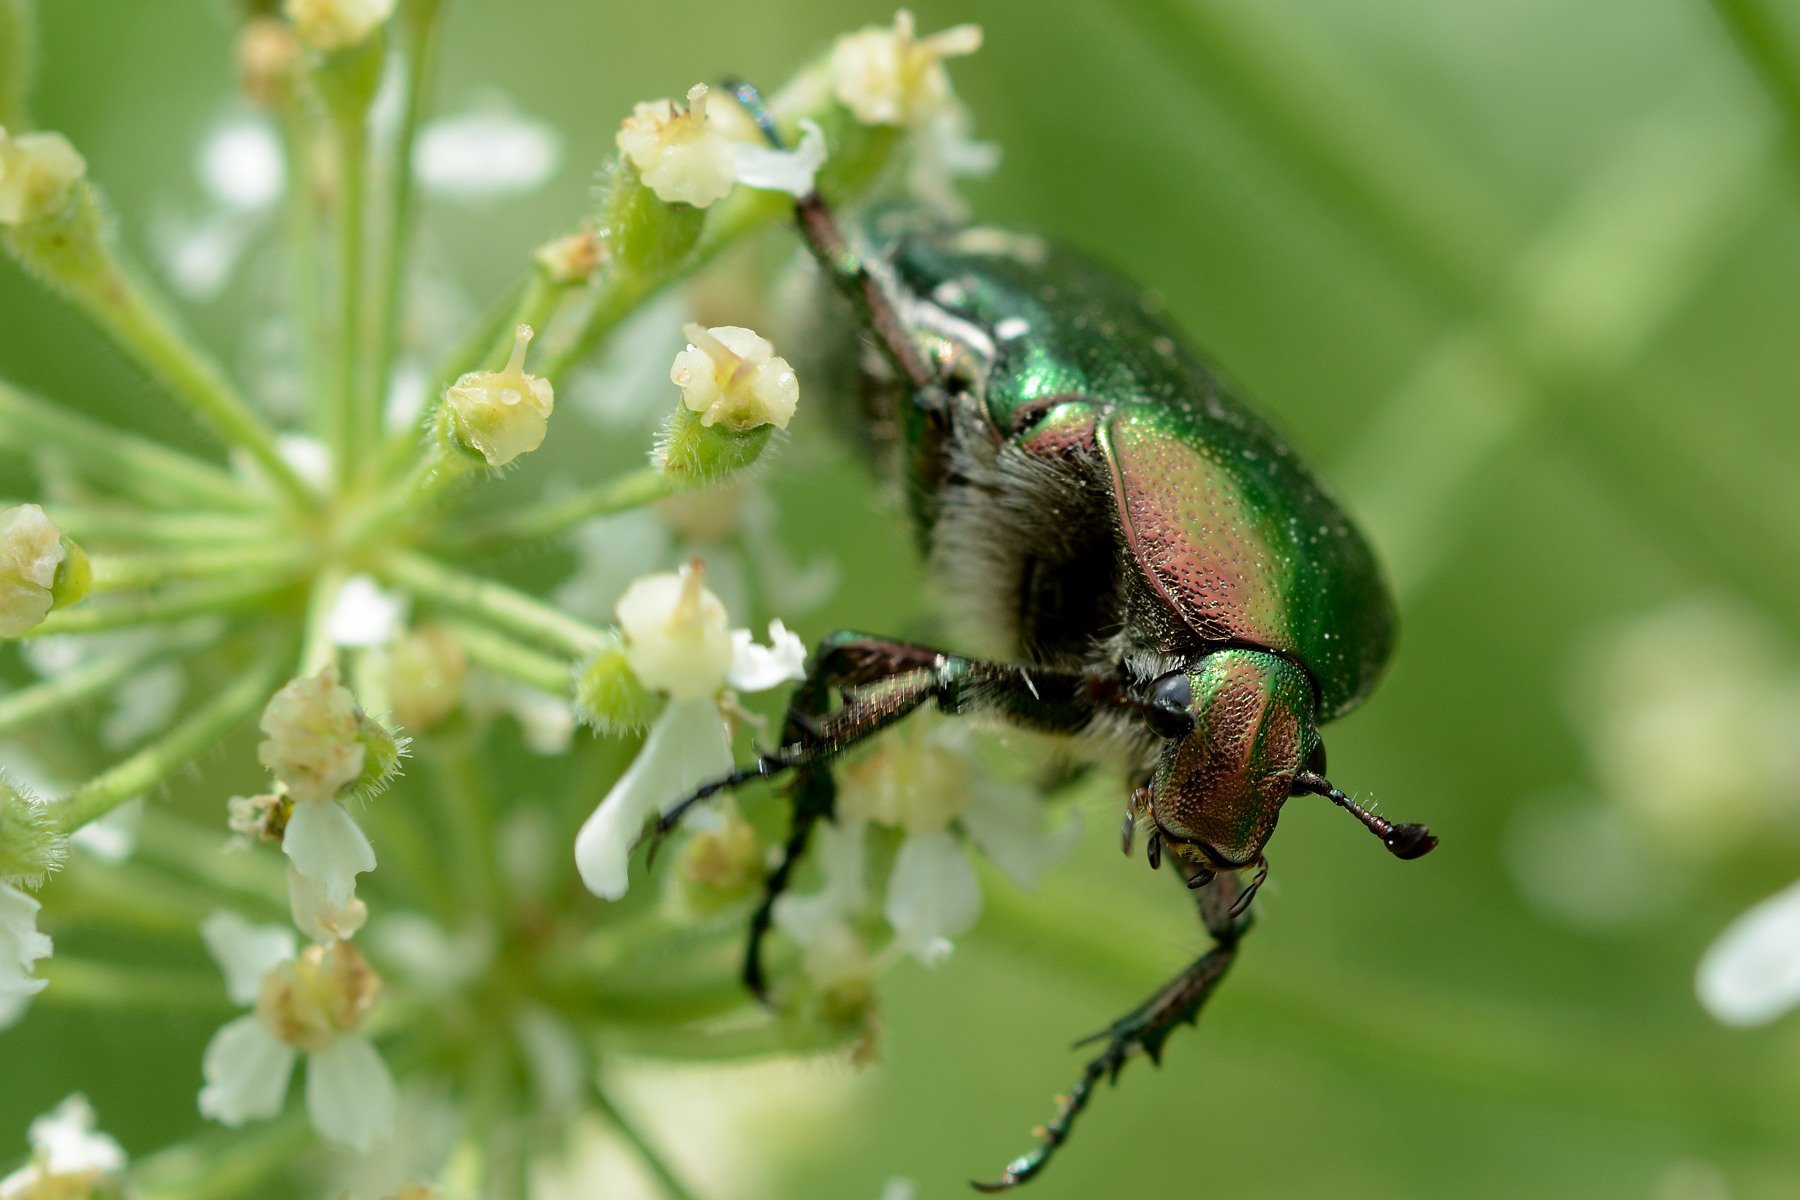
645,236
31,846
383,752
74,577
40,569
39,176
608,693
495,416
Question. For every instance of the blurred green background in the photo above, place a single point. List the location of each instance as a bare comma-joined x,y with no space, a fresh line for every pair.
1524,279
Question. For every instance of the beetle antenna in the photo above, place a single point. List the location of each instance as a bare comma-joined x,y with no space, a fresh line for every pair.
1402,841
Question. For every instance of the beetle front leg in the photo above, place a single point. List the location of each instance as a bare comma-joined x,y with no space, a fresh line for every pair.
1145,1028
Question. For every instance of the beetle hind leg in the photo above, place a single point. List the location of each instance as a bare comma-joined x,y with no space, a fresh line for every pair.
1145,1029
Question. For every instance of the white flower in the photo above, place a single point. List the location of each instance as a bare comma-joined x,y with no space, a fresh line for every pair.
731,374
31,549
68,1158
314,1004
325,844
686,156
312,744
891,76
318,916
676,642
501,414
485,154
363,614
21,944
330,25
924,783
1751,974
38,173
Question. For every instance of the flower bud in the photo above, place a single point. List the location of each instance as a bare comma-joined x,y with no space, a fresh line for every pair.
31,845
679,154
261,818
40,569
427,670
332,25
39,175
498,415
268,61
570,261
676,639
731,376
891,76
383,751
314,741
692,453
608,693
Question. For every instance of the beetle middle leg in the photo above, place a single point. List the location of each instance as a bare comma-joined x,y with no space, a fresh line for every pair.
1146,1028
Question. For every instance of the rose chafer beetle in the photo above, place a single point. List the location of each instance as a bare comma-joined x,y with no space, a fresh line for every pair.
1135,559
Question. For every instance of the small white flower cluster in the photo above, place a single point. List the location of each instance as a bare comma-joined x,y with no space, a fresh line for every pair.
892,76
677,641
32,549
687,155
69,1160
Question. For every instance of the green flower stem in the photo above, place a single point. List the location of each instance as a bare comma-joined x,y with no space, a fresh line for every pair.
353,412
647,1154
117,572
511,610
204,857
102,987
432,478
743,212
303,218
115,523
316,649
129,897
226,1164
140,322
192,736
173,604
18,63
136,465
40,701
419,24
508,530
504,656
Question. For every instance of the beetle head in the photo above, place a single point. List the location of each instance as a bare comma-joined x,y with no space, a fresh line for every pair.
1239,728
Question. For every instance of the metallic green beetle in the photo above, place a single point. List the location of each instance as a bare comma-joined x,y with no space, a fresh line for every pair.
1132,556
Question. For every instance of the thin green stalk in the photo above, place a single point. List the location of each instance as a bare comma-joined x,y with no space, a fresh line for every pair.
420,24
224,1165
205,859
107,523
127,310
303,218
355,411
511,610
175,749
647,1154
1757,29
508,530
506,657
136,465
40,701
110,987
316,649
130,898
153,568
174,604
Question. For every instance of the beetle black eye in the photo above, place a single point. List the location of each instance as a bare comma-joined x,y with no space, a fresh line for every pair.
1167,712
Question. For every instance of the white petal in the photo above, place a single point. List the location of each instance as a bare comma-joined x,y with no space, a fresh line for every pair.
684,749
65,1141
325,843
1010,824
350,1093
932,895
363,614
1751,974
246,1071
757,668
20,943
840,851
245,952
791,171
317,917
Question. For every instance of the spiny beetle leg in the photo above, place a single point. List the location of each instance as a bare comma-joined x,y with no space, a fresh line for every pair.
1143,1030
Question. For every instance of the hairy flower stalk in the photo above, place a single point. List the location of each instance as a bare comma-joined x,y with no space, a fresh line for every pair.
325,606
